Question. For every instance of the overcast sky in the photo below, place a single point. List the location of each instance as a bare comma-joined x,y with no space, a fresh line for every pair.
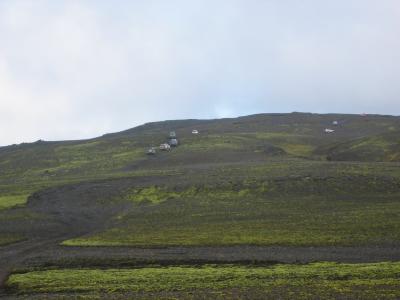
78,69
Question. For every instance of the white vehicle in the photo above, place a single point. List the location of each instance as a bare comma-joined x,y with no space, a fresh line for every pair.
151,151
327,130
194,131
165,147
335,123
172,134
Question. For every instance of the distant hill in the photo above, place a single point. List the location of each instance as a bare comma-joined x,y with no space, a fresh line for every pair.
249,138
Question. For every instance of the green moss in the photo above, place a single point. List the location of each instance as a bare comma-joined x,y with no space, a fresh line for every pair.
12,200
213,142
318,280
298,149
152,194
383,147
295,144
158,194
259,216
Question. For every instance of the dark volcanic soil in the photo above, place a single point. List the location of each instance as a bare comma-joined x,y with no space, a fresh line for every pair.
63,221
128,256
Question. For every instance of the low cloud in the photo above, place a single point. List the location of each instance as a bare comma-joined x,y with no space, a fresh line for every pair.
78,69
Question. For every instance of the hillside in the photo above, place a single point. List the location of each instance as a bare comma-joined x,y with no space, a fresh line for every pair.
267,188
256,137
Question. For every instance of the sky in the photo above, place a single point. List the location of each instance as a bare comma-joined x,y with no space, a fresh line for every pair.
78,69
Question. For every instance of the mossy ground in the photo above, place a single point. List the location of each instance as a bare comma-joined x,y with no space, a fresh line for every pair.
317,280
257,180
299,135
290,203
12,200
241,218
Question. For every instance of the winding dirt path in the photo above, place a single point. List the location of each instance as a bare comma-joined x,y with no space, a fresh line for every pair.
13,256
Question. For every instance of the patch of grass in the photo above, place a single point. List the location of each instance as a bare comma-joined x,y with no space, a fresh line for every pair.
272,213
157,194
298,149
151,194
214,142
383,147
317,280
295,144
12,200
49,162
334,208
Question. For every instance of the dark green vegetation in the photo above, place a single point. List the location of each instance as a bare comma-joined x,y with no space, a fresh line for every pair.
269,212
276,134
26,168
12,200
382,147
313,281
272,180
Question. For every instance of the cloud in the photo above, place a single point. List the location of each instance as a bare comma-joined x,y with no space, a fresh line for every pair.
77,69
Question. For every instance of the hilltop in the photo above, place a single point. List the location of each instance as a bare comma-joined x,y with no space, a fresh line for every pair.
250,138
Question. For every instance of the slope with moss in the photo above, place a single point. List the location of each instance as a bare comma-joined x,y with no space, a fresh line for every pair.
251,138
313,281
383,147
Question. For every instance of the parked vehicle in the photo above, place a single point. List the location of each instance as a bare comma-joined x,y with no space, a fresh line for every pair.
151,151
173,142
165,147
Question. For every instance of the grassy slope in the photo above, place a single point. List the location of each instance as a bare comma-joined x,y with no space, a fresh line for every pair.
383,147
281,145
293,202
297,134
260,211
318,280
261,180
28,167
12,200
